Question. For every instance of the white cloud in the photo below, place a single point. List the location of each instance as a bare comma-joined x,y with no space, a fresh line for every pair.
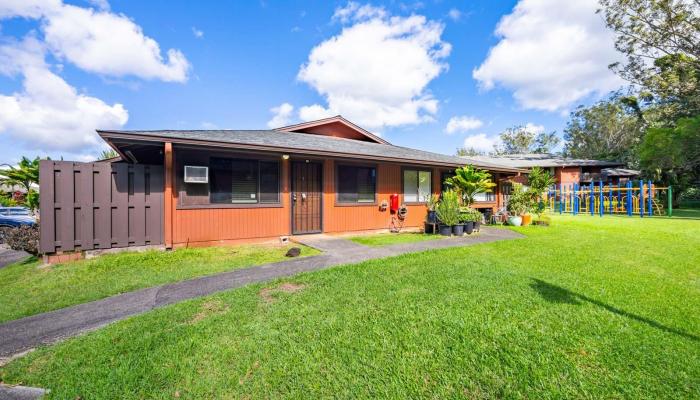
197,33
99,41
551,54
100,4
536,129
454,14
48,113
282,115
463,123
481,142
376,71
353,11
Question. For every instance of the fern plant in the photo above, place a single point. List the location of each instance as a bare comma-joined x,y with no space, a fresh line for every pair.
469,181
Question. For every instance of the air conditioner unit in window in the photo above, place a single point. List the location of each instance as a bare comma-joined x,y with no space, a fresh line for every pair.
196,174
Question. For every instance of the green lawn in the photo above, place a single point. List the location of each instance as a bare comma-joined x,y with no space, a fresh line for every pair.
587,308
28,288
383,239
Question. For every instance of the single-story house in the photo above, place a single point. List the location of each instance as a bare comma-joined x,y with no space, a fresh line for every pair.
227,186
566,170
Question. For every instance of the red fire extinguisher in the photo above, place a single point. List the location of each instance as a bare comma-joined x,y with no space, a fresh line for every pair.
394,203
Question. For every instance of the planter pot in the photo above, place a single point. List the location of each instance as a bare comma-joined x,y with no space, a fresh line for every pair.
515,221
469,227
458,230
445,230
527,219
432,217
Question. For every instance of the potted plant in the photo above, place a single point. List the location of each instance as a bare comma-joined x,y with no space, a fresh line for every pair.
538,181
517,204
477,222
448,212
432,204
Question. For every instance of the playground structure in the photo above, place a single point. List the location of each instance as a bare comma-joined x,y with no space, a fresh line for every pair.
643,199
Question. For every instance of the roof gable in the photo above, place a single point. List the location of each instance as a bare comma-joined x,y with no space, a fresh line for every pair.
334,127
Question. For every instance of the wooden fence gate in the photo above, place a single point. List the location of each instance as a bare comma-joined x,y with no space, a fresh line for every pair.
86,206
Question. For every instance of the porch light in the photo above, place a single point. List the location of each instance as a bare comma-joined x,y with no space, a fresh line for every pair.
285,156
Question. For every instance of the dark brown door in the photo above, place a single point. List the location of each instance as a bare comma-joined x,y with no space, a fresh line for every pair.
306,197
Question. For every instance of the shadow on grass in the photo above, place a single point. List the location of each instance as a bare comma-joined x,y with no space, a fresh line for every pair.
557,294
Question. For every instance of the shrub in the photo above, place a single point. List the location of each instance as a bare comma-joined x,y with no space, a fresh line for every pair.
23,238
448,208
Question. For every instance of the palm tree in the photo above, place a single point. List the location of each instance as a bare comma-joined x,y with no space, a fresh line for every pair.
470,181
24,174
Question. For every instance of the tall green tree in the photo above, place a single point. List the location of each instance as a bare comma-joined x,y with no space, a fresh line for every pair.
468,152
610,129
660,40
520,139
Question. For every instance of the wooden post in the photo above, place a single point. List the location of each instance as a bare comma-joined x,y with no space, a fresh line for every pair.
168,196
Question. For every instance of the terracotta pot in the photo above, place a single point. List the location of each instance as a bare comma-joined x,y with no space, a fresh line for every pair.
527,219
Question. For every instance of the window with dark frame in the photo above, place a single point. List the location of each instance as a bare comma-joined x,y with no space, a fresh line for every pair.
417,185
241,181
356,184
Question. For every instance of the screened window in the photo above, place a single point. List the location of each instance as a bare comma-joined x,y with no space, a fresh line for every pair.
356,184
416,186
485,197
236,181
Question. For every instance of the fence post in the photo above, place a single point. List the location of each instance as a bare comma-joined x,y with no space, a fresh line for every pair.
602,203
591,200
629,199
670,201
561,198
641,198
610,198
650,207
575,205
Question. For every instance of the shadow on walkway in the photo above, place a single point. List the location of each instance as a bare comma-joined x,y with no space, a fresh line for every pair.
557,294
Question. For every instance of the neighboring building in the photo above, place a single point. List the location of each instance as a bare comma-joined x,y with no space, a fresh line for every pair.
222,186
566,170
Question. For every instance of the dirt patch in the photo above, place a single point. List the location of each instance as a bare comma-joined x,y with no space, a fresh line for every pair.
268,294
208,308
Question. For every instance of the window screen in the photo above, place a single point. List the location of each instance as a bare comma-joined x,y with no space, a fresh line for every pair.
417,186
356,184
237,181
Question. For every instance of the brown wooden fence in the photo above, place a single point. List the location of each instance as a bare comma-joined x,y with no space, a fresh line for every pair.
85,206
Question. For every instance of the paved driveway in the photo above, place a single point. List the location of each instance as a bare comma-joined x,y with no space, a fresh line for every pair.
8,256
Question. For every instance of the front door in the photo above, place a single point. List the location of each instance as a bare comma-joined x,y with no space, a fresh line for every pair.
306,197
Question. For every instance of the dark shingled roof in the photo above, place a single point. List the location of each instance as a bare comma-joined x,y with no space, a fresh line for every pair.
302,142
543,160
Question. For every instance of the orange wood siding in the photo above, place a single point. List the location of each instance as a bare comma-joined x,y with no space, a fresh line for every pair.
227,224
345,218
168,195
207,225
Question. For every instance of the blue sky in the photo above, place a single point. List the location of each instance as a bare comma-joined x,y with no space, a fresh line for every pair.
402,69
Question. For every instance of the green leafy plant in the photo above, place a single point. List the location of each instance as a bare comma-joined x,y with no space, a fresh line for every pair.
24,174
433,202
520,200
448,208
539,180
469,181
468,214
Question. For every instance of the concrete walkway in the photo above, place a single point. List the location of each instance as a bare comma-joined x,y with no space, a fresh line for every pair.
24,334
